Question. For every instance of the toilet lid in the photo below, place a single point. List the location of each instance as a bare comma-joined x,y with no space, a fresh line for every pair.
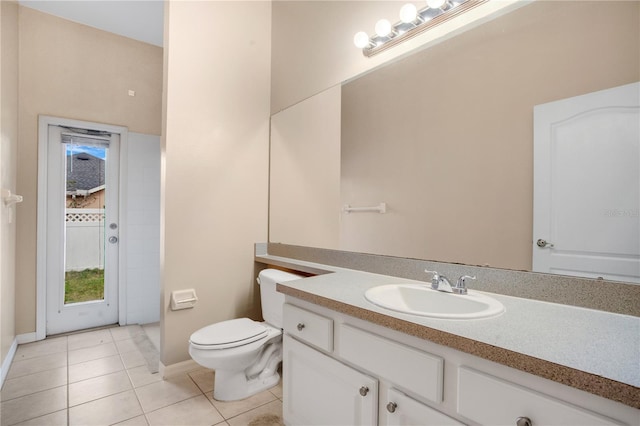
230,333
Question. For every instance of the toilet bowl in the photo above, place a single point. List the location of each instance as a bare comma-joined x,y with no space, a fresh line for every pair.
245,354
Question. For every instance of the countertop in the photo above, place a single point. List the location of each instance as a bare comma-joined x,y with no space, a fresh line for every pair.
591,350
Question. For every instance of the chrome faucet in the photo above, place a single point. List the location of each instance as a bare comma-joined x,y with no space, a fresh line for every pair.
441,283
461,285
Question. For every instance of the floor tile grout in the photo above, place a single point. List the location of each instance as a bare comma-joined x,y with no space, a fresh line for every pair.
106,370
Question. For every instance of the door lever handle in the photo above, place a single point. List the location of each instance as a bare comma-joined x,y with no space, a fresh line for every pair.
543,244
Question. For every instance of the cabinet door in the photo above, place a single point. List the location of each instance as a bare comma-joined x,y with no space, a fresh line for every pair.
319,390
402,410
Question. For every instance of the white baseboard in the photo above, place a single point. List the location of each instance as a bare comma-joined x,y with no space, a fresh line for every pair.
4,369
26,338
183,367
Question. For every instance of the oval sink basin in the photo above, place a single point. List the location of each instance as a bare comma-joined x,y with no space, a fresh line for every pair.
422,300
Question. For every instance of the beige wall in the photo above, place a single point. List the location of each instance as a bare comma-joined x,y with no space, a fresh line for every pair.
453,156
305,143
8,148
313,42
73,71
215,162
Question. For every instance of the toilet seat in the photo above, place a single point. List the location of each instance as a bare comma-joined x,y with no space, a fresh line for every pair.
228,334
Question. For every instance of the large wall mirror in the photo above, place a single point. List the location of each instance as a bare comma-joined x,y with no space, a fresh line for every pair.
445,138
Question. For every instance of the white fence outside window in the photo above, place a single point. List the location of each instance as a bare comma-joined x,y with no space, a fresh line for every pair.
84,239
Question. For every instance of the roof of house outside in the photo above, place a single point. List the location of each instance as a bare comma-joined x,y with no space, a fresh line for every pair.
84,172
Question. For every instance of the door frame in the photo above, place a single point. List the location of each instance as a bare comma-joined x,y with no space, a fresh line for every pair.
44,121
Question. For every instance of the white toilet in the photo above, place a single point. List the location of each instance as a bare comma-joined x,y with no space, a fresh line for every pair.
245,354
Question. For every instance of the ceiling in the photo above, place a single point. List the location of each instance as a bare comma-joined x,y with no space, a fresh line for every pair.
141,20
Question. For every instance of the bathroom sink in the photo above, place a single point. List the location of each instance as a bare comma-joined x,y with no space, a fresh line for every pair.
422,300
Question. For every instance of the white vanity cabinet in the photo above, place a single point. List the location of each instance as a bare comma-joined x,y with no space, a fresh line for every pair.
489,400
320,389
339,370
397,365
308,327
411,369
403,410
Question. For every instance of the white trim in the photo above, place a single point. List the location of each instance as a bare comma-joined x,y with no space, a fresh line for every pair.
178,368
122,228
7,361
41,252
41,224
26,338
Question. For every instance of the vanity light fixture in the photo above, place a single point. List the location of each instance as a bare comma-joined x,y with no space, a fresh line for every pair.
412,22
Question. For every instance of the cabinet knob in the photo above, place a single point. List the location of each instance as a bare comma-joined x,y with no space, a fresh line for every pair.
391,407
523,421
364,391
300,326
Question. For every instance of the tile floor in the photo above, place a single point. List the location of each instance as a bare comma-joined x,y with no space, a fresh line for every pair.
101,378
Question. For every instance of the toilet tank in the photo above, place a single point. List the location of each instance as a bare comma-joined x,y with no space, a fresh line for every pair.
272,301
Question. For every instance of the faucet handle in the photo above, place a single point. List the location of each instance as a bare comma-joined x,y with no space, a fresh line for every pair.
461,285
435,279
434,273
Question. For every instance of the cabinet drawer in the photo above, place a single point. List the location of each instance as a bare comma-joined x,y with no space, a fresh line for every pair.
489,400
308,327
413,370
402,410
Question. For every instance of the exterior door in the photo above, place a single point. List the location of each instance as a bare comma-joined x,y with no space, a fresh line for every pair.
587,185
82,229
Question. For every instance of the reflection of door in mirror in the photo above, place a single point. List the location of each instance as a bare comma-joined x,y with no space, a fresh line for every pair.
444,137
587,185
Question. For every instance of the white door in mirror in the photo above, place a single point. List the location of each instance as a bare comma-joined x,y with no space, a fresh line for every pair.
587,185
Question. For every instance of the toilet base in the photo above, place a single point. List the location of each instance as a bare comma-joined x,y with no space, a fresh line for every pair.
233,385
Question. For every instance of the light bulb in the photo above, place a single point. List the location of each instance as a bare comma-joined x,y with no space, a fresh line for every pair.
361,40
408,13
436,4
383,28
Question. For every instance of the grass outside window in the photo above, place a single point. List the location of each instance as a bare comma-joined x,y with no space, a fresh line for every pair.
84,286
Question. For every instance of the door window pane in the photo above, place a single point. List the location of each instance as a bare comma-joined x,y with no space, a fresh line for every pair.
85,223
